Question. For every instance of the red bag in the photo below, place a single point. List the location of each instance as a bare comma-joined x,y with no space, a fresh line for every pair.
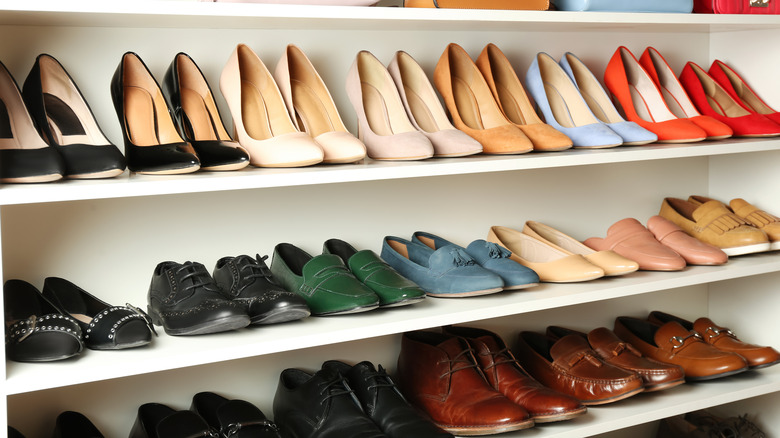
736,6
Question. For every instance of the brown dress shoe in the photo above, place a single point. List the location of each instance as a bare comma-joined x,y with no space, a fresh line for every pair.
439,374
723,339
672,343
614,351
569,365
508,377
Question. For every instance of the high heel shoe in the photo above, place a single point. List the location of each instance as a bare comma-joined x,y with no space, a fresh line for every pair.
24,156
152,143
510,96
472,107
712,100
425,111
642,103
67,123
261,123
563,106
312,109
382,122
676,98
738,89
197,116
600,105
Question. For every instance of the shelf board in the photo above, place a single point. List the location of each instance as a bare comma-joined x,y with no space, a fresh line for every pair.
253,178
168,352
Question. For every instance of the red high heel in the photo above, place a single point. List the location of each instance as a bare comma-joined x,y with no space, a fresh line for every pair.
741,91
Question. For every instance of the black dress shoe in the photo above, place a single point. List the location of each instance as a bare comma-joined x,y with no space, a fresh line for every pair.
249,282
156,420
320,406
105,327
184,299
35,330
198,116
383,402
233,418
75,425
65,120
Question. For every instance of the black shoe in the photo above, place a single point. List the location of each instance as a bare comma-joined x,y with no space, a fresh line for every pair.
75,425
383,402
233,418
198,116
184,299
13,433
35,330
67,123
727,427
156,420
249,282
105,327
320,406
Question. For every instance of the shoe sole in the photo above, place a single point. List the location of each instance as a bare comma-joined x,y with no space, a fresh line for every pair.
764,365
600,146
715,376
604,401
226,167
487,429
189,169
348,311
96,175
280,316
559,417
520,286
33,179
664,385
404,302
225,324
684,140
747,249
466,294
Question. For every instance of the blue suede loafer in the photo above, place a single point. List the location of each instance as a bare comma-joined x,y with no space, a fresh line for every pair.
490,256
446,272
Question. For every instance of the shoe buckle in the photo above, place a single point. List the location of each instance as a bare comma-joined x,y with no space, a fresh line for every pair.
714,332
759,3
679,341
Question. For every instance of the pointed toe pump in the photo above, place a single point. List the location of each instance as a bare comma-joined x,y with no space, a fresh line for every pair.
24,155
66,122
601,106
261,123
641,102
563,106
382,121
514,103
425,111
152,143
197,116
676,98
737,88
312,108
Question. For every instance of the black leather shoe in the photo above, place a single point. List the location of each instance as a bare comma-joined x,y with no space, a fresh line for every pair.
233,418
105,327
184,299
383,402
249,282
320,406
35,330
67,123
198,116
71,424
156,420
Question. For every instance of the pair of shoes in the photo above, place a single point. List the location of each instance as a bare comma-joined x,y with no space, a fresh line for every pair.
714,425
210,415
714,223
444,269
554,256
672,343
573,102
656,376
570,365
344,400
70,424
399,115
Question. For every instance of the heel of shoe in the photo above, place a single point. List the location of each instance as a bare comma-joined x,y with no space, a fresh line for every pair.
156,320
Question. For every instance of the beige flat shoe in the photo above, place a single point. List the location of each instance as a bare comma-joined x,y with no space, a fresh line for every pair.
550,263
611,262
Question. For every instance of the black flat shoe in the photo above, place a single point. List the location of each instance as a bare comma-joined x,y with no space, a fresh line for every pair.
35,330
198,117
67,123
156,420
71,424
152,143
105,327
233,418
250,283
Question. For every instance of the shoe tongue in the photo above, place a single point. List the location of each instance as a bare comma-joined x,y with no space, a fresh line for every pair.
182,424
567,345
668,331
712,208
239,412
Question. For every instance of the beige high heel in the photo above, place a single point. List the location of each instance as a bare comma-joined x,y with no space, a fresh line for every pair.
261,122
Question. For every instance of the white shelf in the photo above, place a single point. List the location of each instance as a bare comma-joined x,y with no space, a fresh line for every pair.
169,352
253,178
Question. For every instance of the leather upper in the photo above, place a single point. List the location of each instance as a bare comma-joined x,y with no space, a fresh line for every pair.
694,251
629,238
233,418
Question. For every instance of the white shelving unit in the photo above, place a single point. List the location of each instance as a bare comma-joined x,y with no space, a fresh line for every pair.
107,236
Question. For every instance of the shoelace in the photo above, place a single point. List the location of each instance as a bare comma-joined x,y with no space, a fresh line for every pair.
198,275
463,358
501,356
744,426
253,268
496,251
380,379
338,387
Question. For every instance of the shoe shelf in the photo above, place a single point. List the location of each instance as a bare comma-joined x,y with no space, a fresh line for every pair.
169,352
254,178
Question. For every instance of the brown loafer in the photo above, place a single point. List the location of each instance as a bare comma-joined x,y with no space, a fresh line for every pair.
632,240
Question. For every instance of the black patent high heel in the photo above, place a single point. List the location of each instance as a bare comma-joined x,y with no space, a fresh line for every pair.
152,143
